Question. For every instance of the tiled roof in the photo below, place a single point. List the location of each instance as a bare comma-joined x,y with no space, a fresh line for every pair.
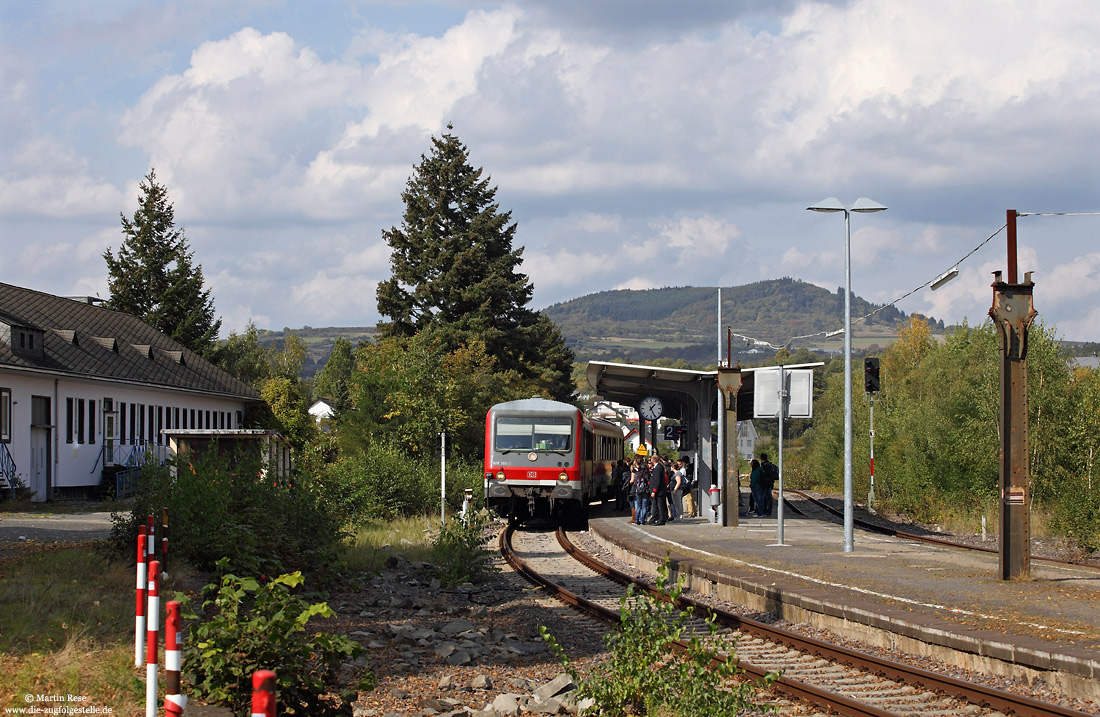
82,339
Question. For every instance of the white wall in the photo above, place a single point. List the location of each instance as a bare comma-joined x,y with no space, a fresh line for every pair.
76,464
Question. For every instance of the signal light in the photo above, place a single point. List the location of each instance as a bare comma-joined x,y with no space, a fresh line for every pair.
871,383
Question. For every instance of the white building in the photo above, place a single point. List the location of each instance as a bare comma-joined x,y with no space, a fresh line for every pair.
746,439
321,410
84,389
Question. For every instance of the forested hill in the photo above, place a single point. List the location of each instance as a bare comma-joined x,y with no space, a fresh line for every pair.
615,322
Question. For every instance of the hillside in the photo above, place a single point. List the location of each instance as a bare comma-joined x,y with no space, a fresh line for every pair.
676,323
319,342
682,322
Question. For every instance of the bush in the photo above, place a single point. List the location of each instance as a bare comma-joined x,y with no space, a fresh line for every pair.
458,551
647,674
258,627
218,508
383,483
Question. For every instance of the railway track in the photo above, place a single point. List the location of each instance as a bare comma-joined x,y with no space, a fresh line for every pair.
834,678
832,513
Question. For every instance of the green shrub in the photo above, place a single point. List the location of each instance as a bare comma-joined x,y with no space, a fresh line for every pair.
382,483
647,674
258,626
458,550
218,508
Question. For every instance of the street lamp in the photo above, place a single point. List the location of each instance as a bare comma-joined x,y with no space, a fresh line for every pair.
862,205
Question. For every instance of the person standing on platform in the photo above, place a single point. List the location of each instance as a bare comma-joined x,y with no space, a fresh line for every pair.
689,490
676,483
658,488
640,484
756,487
620,484
770,474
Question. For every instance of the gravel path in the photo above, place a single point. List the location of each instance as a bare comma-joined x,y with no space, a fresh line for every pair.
25,532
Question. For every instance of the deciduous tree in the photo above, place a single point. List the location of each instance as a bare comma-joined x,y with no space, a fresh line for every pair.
333,380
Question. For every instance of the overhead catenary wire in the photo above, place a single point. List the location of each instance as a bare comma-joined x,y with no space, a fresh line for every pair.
836,332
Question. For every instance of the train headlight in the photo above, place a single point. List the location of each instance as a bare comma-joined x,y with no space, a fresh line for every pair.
500,475
562,478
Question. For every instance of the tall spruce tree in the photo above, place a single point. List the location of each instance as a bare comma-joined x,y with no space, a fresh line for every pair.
454,269
154,278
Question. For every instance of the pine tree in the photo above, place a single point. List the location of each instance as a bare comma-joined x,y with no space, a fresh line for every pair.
454,269
154,278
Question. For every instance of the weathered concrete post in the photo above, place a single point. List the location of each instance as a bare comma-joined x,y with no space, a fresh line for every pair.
729,381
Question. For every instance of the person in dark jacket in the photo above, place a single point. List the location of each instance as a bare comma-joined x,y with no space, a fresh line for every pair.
658,488
756,486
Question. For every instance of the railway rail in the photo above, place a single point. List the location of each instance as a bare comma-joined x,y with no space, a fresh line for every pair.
835,678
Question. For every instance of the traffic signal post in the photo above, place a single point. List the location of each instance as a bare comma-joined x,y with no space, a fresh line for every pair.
871,383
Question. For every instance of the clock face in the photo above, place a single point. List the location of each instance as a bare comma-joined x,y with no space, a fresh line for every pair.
651,408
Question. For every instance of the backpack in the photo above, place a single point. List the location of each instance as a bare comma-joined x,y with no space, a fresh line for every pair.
771,475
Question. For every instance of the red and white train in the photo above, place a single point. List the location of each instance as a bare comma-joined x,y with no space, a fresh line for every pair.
546,458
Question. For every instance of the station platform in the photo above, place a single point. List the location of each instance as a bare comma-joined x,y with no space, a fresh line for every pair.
946,603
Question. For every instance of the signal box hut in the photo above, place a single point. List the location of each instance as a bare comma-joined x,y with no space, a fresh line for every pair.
269,448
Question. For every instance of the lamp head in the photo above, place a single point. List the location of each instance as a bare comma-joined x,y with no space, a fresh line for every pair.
830,204
945,277
865,205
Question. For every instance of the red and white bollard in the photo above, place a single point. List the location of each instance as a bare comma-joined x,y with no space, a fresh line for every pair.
174,702
164,542
151,538
152,620
263,693
139,613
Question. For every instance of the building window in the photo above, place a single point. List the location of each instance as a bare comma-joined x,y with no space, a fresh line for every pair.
68,420
208,420
152,424
141,422
80,420
193,419
121,422
160,424
133,423
91,422
5,415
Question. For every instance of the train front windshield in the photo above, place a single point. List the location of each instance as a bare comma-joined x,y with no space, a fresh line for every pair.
519,433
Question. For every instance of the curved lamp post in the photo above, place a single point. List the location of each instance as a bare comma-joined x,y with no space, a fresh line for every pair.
862,205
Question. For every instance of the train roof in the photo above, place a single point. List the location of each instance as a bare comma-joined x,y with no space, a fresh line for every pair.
536,404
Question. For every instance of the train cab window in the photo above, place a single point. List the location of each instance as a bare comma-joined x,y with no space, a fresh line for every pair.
519,433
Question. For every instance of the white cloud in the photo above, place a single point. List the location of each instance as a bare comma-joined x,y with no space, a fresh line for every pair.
285,138
47,179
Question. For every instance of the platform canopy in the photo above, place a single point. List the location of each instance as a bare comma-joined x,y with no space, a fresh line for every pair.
628,384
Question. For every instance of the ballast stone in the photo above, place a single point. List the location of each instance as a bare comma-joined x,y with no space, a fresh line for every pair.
553,688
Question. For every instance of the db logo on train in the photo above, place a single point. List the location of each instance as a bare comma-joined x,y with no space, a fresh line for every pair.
532,474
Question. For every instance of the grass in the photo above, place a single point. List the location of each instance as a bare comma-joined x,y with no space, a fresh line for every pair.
67,616
66,627
374,543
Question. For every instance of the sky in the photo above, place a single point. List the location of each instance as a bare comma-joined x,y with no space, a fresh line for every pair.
637,144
